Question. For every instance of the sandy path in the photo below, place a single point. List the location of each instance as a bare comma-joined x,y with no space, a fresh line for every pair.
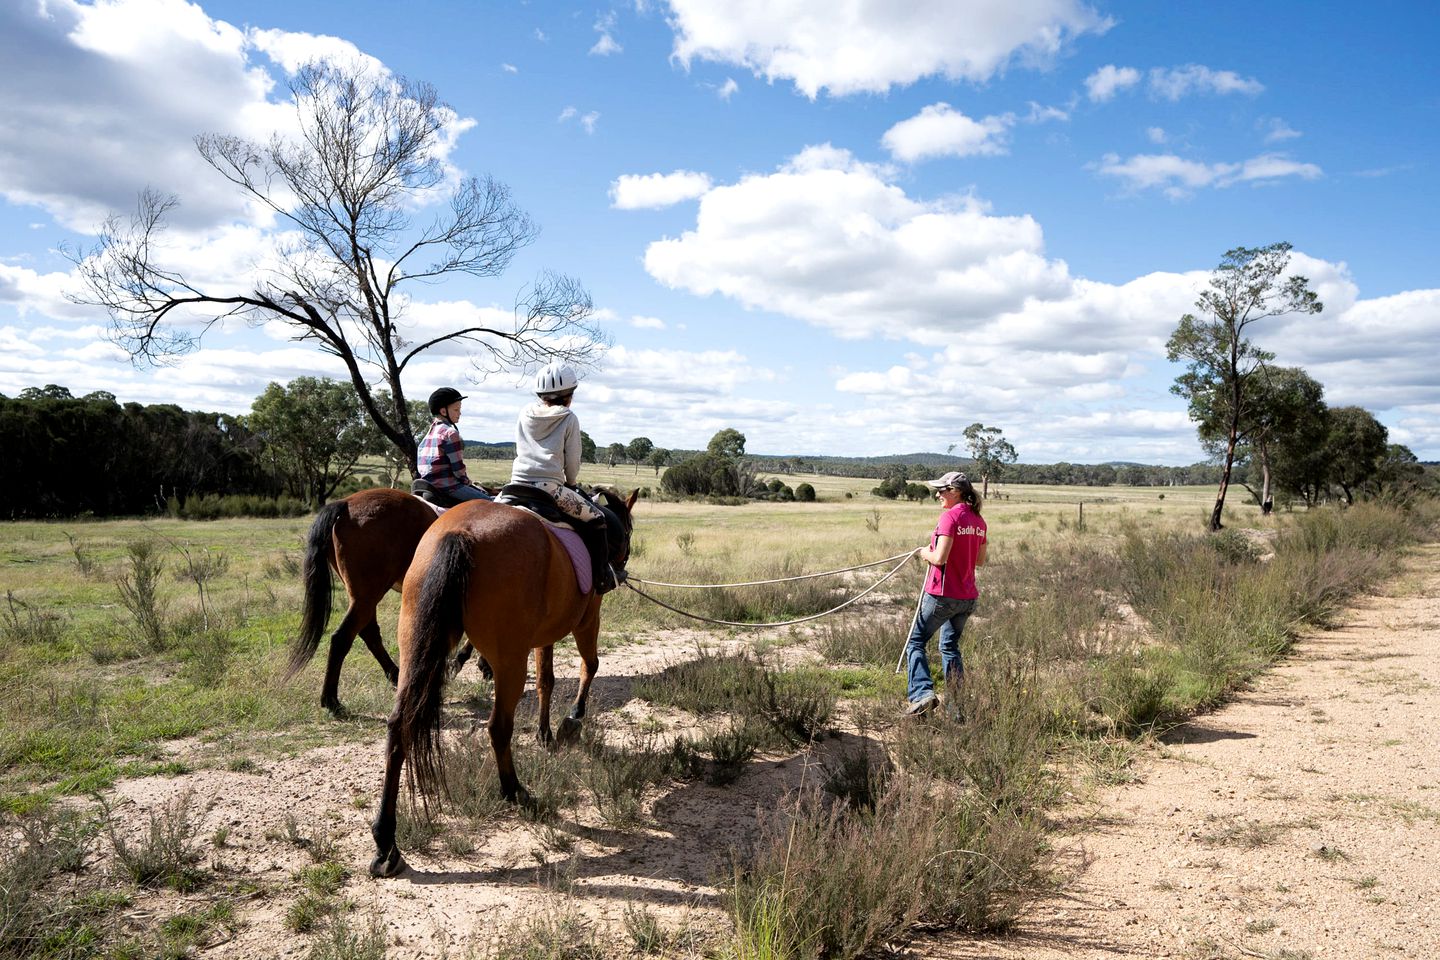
1300,821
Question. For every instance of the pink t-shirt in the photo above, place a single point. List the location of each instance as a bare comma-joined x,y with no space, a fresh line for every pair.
966,531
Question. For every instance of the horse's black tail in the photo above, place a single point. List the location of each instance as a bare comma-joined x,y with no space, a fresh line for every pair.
435,621
315,576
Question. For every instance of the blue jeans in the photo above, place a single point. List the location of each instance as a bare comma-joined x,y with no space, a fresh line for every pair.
468,492
947,615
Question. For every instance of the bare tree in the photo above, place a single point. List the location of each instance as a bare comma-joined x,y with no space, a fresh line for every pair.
367,158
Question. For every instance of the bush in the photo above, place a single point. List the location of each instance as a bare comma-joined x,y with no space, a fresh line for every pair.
140,592
227,506
165,855
42,846
805,493
830,881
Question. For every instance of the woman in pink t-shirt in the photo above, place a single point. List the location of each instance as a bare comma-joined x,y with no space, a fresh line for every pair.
956,548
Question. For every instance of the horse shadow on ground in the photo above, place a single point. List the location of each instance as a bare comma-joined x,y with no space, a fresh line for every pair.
689,840
1198,731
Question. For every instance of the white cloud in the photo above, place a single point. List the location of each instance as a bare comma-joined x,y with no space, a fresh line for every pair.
607,44
830,240
727,89
869,46
509,68
1178,82
1109,80
647,323
655,190
1277,130
1156,134
1042,114
1178,177
940,130
586,120
135,81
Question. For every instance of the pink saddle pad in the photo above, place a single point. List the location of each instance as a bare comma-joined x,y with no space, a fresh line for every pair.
579,556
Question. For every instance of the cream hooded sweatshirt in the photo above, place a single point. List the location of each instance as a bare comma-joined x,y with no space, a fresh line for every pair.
547,445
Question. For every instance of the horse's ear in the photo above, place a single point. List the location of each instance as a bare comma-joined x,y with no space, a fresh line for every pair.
630,500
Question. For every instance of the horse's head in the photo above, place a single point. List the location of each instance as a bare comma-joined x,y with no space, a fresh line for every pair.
617,508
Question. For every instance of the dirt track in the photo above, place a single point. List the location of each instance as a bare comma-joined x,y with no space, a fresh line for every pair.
1300,821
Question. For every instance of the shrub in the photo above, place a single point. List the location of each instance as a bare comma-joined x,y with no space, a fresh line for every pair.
805,493
219,507
618,778
165,854
22,624
797,705
342,942
139,592
834,882
42,846
872,638
857,778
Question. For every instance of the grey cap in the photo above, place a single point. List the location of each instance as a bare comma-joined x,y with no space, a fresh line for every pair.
951,479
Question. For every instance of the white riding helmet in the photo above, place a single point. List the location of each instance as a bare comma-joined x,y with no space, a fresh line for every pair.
554,378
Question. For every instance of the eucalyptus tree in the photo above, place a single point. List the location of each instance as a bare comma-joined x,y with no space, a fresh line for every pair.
1284,410
314,434
990,451
368,210
1248,286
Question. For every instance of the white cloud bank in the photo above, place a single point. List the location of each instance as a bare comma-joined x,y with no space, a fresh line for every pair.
869,46
833,242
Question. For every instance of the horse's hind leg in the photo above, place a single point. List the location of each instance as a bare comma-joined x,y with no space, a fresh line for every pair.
587,643
340,642
371,635
388,862
544,686
509,685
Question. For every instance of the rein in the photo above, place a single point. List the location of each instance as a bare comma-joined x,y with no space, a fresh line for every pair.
903,558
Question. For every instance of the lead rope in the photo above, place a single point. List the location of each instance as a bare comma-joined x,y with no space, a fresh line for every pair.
756,583
784,623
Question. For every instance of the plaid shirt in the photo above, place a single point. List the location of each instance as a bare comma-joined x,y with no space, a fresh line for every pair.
440,460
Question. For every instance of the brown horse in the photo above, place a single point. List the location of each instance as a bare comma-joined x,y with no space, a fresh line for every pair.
368,538
503,579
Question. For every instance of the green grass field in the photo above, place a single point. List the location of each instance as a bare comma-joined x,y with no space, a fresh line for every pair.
1088,635
71,652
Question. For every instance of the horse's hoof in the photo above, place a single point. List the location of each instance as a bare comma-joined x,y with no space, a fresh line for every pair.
486,670
387,865
545,737
336,708
393,676
569,731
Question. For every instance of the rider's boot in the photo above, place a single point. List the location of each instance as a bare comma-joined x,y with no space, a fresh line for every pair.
597,541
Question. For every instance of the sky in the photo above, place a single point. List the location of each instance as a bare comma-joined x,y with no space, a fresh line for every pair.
841,228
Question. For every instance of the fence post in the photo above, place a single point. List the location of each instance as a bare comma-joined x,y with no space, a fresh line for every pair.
1082,516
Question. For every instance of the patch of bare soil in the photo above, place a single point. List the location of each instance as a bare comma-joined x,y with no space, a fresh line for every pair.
1302,820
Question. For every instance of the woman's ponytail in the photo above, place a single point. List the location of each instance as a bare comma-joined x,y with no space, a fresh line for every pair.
968,495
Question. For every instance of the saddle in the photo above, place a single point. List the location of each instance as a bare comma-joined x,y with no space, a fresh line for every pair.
536,501
592,534
421,488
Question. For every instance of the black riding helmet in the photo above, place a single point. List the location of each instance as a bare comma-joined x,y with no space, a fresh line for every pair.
442,398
